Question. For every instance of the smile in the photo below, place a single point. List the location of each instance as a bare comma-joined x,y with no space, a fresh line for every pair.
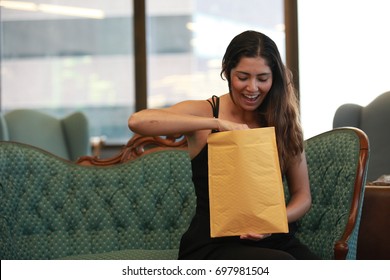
252,97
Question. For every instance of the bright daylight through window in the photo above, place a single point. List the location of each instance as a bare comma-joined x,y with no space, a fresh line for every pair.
68,55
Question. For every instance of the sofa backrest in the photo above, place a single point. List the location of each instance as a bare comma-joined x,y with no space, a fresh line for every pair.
51,208
337,161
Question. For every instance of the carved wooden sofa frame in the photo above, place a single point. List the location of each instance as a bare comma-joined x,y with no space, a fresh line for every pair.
137,146
141,145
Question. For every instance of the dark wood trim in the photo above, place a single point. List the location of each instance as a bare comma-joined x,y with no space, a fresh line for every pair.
341,246
136,147
291,29
140,63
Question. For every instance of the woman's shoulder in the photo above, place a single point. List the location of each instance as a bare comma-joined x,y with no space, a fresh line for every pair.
195,107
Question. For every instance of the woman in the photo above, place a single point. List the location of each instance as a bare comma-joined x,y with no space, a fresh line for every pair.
260,95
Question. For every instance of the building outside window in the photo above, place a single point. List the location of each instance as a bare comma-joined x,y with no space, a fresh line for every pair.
187,39
69,55
77,55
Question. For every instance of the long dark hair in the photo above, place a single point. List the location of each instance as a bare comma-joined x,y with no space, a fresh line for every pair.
280,108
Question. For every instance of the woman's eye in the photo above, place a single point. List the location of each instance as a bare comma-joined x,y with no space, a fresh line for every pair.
242,78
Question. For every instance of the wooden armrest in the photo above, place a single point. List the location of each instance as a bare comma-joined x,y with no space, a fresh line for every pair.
341,247
136,147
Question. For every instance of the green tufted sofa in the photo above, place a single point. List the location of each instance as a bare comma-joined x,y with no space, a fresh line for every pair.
137,205
55,209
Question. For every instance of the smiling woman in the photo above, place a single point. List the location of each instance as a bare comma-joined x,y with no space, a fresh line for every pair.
251,81
250,103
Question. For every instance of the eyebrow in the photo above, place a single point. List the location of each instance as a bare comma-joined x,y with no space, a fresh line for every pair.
261,74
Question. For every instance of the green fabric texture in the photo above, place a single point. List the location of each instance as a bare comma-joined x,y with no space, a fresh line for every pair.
332,159
51,208
54,209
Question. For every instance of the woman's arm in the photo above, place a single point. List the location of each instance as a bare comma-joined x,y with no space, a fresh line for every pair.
299,187
182,118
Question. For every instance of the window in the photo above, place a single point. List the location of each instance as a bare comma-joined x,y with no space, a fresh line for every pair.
343,55
187,39
68,55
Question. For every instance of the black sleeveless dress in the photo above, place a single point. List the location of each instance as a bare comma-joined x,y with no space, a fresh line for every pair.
196,242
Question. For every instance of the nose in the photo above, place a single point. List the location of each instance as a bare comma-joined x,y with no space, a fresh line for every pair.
252,85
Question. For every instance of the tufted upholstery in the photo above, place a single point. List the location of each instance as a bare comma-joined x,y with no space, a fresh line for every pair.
51,208
337,173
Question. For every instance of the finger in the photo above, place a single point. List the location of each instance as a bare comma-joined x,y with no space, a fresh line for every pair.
255,236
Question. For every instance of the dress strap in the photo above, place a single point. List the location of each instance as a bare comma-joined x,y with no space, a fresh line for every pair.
215,106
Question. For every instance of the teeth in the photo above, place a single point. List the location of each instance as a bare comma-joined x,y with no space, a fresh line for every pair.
251,96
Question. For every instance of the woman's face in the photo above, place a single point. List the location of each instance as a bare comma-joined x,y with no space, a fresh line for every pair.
251,81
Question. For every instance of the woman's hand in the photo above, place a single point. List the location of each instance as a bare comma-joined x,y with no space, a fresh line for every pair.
255,236
224,125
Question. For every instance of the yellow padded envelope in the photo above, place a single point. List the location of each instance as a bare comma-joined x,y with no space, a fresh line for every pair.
245,183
